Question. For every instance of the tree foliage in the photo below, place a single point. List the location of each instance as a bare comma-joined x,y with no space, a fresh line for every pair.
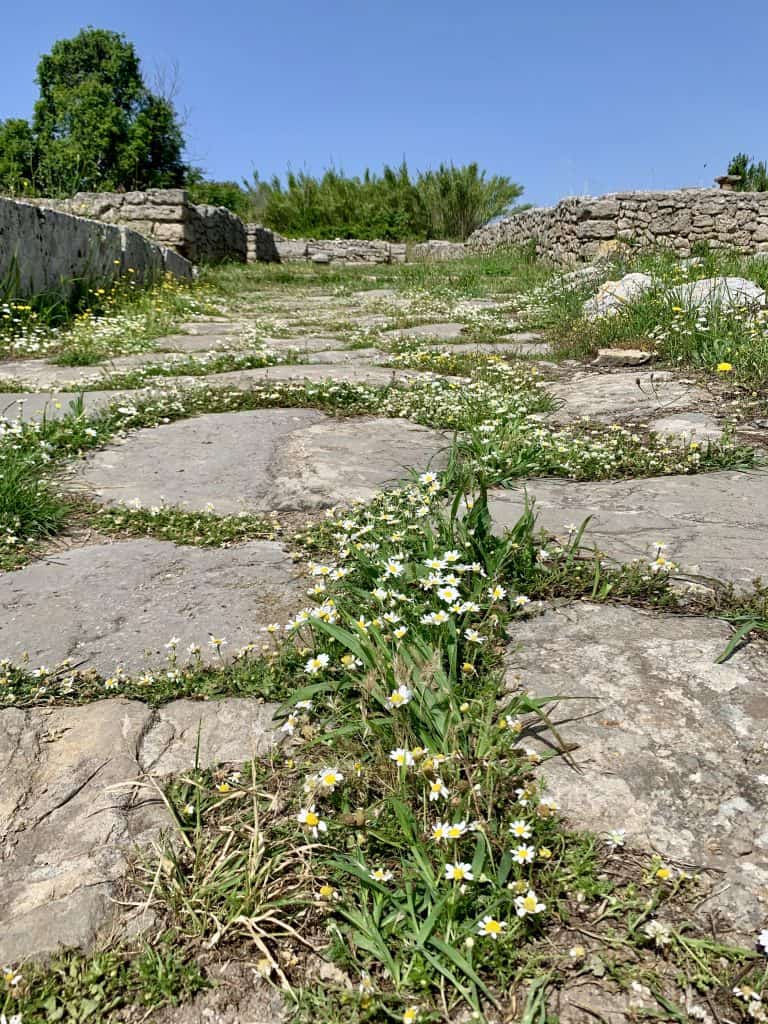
96,125
754,175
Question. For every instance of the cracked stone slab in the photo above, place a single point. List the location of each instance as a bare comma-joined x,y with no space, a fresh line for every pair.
713,524
671,746
264,460
109,604
624,395
70,809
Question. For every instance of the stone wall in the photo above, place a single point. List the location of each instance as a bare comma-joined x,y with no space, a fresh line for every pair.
582,227
438,249
202,234
269,246
45,250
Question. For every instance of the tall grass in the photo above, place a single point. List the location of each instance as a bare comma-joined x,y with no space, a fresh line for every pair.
449,202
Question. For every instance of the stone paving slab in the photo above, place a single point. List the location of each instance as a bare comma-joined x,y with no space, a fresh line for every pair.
352,356
264,460
444,332
109,604
377,376
29,405
303,343
693,426
212,327
39,373
194,343
70,810
672,747
714,524
497,348
624,395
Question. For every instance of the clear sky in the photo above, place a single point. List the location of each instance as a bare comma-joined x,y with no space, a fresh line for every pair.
565,97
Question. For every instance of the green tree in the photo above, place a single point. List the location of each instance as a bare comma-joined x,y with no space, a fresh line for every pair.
754,175
17,156
96,126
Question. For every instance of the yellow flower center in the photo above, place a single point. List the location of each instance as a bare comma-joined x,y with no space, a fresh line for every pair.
493,927
312,819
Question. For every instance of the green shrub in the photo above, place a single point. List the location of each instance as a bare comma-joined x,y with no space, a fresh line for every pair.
449,202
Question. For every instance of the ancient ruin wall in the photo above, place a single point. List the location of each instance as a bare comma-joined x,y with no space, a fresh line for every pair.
202,234
583,227
44,250
265,245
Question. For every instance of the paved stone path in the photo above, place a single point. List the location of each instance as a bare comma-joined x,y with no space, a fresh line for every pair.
666,735
268,459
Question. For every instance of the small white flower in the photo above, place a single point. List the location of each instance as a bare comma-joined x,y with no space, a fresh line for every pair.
381,875
615,838
491,927
529,904
520,829
317,664
402,757
399,697
311,820
459,872
438,790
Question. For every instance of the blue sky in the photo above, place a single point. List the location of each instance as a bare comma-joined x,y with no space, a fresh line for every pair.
566,98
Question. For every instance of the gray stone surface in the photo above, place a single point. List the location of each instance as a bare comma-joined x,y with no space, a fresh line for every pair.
304,343
192,343
352,356
621,357
54,404
109,604
70,809
624,395
286,459
39,373
613,295
672,747
51,250
713,523
443,332
586,228
376,376
723,292
695,426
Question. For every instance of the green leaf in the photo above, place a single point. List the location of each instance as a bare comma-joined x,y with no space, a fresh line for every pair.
736,639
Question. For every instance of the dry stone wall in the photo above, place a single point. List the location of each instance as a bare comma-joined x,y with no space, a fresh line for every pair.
45,250
583,227
265,245
202,234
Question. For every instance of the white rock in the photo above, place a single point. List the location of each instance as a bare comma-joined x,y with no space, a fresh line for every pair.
726,292
613,295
